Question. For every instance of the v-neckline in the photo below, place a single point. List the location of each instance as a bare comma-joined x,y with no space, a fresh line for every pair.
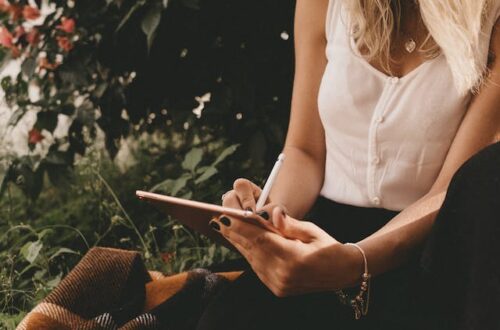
354,51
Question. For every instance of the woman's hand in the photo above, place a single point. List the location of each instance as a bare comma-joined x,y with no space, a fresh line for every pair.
303,259
244,195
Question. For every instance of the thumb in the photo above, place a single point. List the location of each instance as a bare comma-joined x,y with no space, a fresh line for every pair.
293,228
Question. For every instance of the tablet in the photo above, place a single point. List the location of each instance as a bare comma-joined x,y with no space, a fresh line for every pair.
196,215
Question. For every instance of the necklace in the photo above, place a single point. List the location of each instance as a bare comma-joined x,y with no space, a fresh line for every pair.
410,45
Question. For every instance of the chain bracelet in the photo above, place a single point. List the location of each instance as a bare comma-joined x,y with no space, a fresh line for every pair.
361,301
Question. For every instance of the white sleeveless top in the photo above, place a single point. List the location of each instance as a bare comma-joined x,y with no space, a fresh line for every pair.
386,137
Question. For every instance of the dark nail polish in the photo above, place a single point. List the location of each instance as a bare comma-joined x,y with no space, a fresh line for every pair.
225,221
214,225
264,215
249,209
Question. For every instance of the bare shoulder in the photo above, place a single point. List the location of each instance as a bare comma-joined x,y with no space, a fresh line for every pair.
310,17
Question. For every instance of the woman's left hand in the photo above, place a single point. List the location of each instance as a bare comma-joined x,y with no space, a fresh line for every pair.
303,259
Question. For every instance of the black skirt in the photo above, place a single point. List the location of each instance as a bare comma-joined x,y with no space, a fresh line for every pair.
451,282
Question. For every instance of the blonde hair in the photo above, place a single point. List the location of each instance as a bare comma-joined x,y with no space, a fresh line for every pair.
454,28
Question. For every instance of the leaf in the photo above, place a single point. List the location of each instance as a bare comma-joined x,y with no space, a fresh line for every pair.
180,183
56,157
211,252
31,250
68,109
63,250
129,14
54,282
5,177
6,83
187,195
86,113
192,159
225,153
100,89
16,116
44,232
28,67
193,4
206,175
202,169
46,120
164,186
150,23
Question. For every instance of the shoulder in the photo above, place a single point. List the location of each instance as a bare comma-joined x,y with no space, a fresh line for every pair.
311,16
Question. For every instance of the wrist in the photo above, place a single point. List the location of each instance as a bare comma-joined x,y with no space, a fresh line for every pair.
354,265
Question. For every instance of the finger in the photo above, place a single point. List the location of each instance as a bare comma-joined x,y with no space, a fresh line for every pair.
266,211
304,231
247,193
250,235
244,252
231,200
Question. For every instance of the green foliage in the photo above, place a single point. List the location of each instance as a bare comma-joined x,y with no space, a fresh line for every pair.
127,66
43,239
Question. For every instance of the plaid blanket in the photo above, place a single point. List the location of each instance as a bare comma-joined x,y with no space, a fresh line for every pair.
112,289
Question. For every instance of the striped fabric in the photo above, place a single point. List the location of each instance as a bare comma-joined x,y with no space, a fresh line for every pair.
112,289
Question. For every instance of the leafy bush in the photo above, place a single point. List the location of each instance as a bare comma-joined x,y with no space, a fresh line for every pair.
212,68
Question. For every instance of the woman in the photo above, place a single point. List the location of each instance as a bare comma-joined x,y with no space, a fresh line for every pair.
404,94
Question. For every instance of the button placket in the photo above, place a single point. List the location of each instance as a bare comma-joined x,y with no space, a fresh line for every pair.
373,152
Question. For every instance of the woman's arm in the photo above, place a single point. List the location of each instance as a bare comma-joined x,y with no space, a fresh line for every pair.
392,244
301,176
305,142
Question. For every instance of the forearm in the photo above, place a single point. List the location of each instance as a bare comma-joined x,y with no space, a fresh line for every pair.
298,183
393,244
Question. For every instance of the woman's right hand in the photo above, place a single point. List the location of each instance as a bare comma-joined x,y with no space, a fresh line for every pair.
245,193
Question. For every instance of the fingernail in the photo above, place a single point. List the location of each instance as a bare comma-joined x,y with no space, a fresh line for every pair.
214,225
283,213
249,209
264,215
225,221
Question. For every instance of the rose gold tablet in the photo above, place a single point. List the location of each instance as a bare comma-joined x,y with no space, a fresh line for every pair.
196,215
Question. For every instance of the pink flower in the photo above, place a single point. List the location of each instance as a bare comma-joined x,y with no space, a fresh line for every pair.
45,64
19,31
15,12
6,37
4,5
15,52
67,25
30,13
64,43
34,136
33,37
6,40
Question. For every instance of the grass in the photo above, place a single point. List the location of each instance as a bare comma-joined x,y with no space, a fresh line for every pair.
40,241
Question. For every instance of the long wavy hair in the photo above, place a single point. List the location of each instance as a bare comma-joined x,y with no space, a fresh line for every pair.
454,28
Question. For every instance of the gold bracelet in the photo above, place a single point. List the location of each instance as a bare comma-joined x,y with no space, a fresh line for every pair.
360,302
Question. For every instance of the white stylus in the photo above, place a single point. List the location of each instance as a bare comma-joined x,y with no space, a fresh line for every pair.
270,181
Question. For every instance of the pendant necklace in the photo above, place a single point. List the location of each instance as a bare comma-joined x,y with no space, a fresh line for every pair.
410,45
